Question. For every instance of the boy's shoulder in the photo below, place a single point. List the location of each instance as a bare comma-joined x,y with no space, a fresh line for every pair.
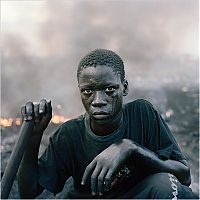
139,103
70,128
73,122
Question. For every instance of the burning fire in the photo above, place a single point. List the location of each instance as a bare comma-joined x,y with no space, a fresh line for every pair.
8,122
169,113
18,121
58,119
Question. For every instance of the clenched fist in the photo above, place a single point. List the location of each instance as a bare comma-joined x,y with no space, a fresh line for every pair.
40,112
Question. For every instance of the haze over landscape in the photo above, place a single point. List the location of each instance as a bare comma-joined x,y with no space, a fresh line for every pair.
43,42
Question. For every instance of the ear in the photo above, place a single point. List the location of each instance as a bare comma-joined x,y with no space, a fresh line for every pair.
125,84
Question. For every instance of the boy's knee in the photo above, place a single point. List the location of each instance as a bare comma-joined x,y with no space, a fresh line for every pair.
165,185
160,186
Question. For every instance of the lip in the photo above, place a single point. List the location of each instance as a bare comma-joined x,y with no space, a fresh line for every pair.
100,115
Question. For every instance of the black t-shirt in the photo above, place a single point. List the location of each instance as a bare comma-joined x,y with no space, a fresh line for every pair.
73,146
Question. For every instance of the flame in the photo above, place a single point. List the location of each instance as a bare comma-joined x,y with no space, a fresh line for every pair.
169,113
58,119
18,121
8,122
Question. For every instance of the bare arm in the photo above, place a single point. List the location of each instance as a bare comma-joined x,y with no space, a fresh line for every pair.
28,172
155,165
104,165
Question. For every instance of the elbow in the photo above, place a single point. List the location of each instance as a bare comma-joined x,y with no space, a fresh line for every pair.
182,172
187,181
186,177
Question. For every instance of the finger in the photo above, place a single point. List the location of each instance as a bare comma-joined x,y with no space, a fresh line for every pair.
94,179
108,179
101,181
42,106
88,172
49,108
29,110
36,112
23,112
49,102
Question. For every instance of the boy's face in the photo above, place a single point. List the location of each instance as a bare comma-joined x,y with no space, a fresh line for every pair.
101,93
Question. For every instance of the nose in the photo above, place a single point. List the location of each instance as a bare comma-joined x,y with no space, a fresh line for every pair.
99,99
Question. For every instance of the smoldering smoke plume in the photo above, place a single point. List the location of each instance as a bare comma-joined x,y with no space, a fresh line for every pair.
149,36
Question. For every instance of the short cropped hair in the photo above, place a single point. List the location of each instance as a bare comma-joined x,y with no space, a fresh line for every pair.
102,57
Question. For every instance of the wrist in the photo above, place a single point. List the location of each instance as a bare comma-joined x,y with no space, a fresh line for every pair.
132,148
134,152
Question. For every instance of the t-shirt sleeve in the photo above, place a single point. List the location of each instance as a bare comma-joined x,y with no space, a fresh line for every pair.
52,170
161,139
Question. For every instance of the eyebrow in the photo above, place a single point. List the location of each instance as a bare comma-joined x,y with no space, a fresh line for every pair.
89,85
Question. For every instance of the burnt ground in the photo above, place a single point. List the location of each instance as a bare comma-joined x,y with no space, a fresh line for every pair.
179,108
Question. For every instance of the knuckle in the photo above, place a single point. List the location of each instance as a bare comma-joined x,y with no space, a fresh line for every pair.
43,100
107,179
22,109
100,179
41,106
112,166
93,178
29,103
109,176
36,106
87,168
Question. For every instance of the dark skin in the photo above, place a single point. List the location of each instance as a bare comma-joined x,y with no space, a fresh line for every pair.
102,92
41,113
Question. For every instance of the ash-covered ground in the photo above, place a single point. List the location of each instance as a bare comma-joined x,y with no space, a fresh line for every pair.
180,109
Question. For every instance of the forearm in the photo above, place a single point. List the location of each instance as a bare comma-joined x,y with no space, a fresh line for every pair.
28,171
154,164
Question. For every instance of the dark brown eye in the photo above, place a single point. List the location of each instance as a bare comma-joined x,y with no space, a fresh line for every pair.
87,92
110,89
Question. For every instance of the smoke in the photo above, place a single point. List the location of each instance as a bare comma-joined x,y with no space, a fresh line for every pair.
158,41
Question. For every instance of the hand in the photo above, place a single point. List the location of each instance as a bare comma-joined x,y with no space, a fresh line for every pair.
40,112
106,164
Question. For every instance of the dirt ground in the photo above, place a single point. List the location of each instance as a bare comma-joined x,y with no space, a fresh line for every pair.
180,110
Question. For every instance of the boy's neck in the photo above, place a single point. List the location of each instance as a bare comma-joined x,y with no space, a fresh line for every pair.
106,128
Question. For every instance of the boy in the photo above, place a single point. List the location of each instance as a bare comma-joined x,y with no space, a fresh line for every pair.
113,151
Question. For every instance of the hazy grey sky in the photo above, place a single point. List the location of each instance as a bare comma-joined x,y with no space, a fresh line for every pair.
43,41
